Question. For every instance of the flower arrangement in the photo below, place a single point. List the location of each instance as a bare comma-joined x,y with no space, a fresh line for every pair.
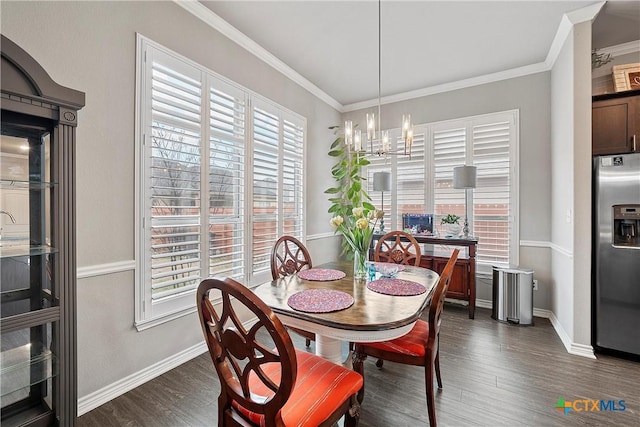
357,230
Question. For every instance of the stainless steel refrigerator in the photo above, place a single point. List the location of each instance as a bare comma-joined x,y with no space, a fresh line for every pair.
616,252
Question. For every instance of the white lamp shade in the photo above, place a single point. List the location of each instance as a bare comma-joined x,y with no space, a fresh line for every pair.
464,177
382,181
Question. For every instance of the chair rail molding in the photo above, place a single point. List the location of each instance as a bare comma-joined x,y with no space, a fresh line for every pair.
545,244
104,269
320,236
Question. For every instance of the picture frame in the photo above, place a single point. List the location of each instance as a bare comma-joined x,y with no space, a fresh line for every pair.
626,77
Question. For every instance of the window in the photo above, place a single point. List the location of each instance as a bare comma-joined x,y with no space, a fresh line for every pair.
489,142
220,173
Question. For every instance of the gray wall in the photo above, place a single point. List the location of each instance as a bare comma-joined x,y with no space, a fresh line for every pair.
571,189
90,46
531,95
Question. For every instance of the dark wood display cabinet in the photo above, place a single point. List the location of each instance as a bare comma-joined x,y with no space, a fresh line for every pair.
463,280
615,121
37,244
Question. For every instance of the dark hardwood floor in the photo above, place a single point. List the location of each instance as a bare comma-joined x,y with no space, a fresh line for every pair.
493,374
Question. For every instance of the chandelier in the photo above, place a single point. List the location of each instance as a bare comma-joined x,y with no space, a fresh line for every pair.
376,139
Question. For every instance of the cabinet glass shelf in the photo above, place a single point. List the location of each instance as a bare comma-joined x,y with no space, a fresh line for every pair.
24,366
10,249
8,184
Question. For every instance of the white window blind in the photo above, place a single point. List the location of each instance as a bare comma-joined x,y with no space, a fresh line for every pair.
424,182
173,179
227,181
206,141
492,199
292,176
266,166
410,191
449,147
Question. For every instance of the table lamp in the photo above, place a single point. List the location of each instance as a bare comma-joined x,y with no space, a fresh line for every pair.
382,183
464,177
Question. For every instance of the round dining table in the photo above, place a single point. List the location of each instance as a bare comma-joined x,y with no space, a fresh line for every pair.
372,316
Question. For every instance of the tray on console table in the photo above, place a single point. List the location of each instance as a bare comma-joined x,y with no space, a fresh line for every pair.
463,281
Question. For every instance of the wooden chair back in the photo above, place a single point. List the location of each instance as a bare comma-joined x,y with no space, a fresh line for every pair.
238,352
288,257
398,247
437,300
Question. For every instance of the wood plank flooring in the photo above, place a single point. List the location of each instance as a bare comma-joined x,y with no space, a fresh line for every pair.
494,374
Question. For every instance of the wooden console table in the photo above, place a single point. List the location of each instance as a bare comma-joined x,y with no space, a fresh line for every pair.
463,280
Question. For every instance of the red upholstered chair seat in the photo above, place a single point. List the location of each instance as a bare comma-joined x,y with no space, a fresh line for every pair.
321,387
411,344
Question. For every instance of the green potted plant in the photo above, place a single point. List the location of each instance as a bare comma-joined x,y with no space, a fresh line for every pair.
349,192
451,225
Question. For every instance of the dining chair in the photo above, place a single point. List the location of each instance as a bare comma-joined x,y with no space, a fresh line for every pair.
419,347
398,247
288,257
264,380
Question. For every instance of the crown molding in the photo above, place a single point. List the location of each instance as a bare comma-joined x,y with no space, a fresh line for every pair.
622,49
448,87
587,13
207,16
570,19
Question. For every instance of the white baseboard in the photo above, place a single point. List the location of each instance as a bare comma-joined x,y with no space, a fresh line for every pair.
572,348
110,392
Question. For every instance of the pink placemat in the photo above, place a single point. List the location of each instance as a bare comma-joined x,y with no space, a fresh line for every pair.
320,301
321,274
389,264
396,287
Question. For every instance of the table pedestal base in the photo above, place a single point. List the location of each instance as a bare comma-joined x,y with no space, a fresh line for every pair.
329,348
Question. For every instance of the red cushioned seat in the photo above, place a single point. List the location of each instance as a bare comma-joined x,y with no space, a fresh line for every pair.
320,389
413,343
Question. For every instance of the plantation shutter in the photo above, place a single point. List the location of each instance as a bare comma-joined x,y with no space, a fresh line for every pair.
411,178
173,179
266,137
292,178
226,181
491,197
205,141
448,152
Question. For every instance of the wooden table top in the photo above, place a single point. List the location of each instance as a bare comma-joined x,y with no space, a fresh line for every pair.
370,311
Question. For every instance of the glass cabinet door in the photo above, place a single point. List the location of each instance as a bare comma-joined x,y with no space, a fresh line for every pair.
29,305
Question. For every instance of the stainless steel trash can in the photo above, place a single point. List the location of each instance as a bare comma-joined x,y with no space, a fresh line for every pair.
513,295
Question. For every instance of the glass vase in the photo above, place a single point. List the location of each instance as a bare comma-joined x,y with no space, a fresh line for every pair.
360,259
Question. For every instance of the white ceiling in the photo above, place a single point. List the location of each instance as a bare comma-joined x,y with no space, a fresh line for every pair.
334,44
